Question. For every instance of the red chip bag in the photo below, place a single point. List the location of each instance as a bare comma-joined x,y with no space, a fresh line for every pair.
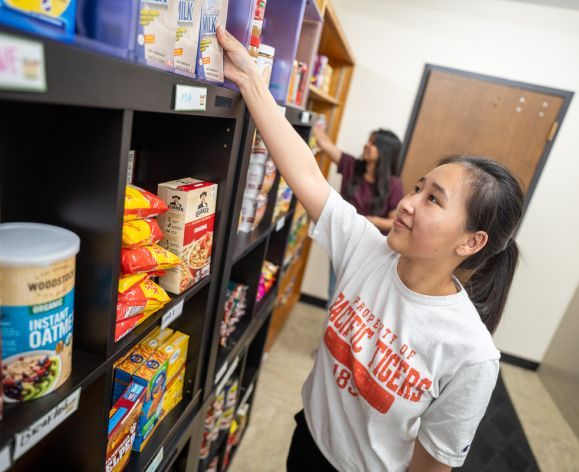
147,259
141,232
142,204
124,327
144,297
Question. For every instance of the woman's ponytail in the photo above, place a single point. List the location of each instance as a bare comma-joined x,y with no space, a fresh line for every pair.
494,205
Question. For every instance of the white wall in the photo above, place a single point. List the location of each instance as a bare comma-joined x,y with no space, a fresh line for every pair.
392,40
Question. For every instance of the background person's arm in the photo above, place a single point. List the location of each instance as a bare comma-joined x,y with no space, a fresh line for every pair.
326,144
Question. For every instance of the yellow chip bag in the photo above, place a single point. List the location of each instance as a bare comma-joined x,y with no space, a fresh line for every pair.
142,204
147,259
141,233
143,298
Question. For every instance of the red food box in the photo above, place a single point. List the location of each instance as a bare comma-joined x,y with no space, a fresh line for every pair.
188,228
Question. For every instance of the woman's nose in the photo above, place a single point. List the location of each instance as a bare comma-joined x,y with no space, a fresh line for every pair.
406,205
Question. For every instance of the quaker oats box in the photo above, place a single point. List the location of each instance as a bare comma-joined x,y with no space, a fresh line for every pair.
188,21
156,33
188,229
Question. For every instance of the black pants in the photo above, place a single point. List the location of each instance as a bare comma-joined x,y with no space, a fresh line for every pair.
304,455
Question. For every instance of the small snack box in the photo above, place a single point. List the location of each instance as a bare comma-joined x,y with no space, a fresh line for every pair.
123,419
174,393
157,337
125,370
175,348
188,228
153,376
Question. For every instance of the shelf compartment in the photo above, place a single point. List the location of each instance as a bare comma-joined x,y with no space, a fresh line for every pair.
318,94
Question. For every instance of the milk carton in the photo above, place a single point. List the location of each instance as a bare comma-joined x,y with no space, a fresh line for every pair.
188,21
156,32
210,53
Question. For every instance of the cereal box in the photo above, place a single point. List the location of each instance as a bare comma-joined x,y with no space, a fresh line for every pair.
123,419
157,337
188,228
174,393
210,53
156,33
153,376
125,370
187,36
175,348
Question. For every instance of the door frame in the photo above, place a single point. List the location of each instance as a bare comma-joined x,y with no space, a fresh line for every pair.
428,68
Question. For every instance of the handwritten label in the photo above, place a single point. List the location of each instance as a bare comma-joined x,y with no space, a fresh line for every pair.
306,115
189,98
21,64
31,436
156,462
172,314
228,375
280,224
5,459
221,373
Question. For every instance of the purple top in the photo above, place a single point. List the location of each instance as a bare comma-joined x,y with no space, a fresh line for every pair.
362,199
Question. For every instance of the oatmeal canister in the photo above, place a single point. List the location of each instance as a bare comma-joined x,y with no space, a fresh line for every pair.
37,271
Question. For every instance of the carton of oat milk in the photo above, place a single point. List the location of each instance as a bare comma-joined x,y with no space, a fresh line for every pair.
156,33
188,22
188,230
210,53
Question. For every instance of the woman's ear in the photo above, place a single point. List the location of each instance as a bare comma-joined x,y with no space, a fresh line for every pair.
473,244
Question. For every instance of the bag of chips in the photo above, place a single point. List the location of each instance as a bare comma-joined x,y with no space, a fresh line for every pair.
141,233
147,259
142,204
139,295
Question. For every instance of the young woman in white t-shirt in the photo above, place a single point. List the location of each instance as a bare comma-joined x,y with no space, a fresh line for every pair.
407,364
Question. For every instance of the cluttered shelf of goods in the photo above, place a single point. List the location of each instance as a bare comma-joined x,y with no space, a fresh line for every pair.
159,231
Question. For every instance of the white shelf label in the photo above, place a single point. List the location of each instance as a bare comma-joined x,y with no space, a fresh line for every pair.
189,98
28,438
228,375
172,314
5,459
280,224
306,115
154,465
21,64
221,373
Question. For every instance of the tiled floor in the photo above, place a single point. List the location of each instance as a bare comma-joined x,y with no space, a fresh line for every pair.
266,443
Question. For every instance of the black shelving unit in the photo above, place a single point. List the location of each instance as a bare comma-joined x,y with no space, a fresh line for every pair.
63,161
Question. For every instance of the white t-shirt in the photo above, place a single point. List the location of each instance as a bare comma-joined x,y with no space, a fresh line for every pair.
394,365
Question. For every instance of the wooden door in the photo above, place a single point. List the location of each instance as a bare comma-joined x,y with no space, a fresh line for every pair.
476,115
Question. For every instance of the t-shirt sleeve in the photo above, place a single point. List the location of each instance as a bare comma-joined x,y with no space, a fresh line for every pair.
348,238
449,424
395,195
346,164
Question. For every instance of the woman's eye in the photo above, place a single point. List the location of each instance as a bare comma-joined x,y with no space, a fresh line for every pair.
416,189
433,199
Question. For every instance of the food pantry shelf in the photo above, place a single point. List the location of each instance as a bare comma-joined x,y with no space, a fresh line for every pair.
318,94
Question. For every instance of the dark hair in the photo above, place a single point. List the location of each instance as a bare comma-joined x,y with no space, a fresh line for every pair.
388,146
494,205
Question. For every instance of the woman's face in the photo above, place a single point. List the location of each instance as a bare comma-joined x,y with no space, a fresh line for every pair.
370,153
431,220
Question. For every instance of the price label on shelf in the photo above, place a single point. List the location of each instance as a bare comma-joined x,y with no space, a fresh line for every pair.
306,116
189,98
22,64
280,224
28,438
5,459
172,314
156,462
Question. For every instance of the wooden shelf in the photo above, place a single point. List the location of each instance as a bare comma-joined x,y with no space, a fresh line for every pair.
318,94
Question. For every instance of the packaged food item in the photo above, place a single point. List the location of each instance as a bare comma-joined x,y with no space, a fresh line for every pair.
187,36
53,18
188,228
122,432
255,176
269,176
153,376
175,348
145,297
247,218
157,337
235,308
210,53
283,199
37,273
142,204
147,259
156,33
174,393
264,62
267,279
125,370
258,145
231,390
260,208
141,233
257,26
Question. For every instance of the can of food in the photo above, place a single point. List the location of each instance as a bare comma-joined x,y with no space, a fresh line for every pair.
37,272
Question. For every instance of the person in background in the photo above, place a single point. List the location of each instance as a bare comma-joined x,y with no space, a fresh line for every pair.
371,184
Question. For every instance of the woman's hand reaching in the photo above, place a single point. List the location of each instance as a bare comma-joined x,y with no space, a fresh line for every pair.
239,66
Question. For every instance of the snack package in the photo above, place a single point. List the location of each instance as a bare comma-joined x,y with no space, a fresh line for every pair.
174,393
124,327
122,431
260,208
53,18
156,33
269,176
231,390
187,36
255,177
267,279
142,204
235,308
147,259
175,348
210,52
188,228
141,233
125,370
283,199
153,376
247,216
143,298
157,337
